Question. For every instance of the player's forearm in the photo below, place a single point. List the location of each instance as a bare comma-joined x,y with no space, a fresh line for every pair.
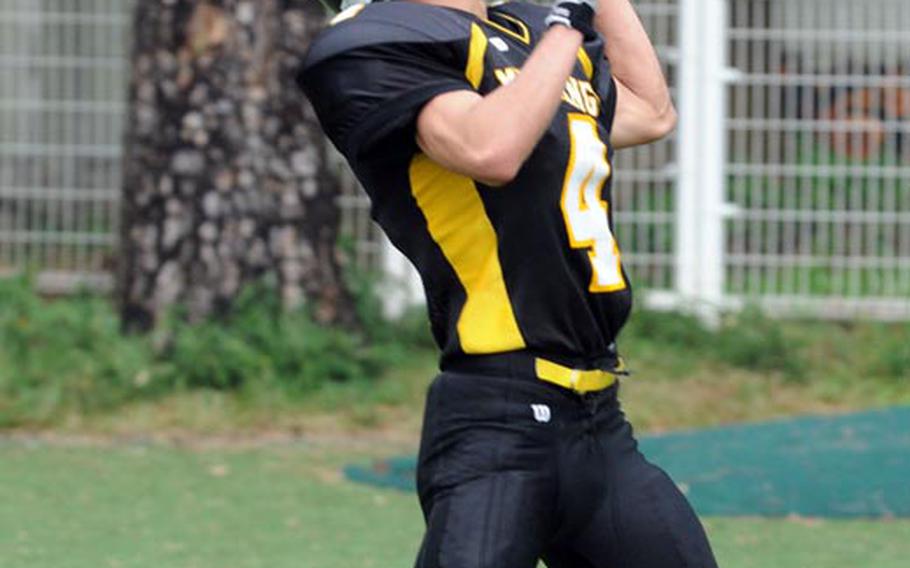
632,57
490,138
514,117
635,65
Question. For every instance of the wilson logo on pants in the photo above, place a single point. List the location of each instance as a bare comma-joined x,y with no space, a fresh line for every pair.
541,412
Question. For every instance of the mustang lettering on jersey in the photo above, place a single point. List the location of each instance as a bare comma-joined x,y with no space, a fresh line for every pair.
578,92
532,265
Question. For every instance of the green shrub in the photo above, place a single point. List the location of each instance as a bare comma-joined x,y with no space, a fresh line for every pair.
69,356
64,355
748,340
890,353
257,341
669,329
751,340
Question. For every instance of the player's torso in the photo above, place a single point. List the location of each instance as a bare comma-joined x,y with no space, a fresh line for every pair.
554,221
530,265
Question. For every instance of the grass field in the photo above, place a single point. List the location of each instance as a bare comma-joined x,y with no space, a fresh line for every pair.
213,480
284,505
250,477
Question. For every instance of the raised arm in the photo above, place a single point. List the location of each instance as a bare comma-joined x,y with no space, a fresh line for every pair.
488,138
644,109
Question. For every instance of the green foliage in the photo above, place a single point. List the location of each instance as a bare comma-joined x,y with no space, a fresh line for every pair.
259,342
891,353
672,330
748,340
69,356
798,351
63,355
751,340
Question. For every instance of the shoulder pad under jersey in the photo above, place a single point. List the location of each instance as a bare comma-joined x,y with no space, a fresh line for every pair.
389,23
533,15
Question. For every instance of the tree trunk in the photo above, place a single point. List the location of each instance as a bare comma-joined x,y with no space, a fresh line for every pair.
226,177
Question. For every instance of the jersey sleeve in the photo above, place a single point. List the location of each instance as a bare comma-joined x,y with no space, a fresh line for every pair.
368,99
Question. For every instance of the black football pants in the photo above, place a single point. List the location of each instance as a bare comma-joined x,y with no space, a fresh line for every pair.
513,470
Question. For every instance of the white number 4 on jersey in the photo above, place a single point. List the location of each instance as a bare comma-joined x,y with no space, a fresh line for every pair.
584,211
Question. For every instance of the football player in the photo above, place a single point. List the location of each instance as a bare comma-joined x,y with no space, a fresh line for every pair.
484,136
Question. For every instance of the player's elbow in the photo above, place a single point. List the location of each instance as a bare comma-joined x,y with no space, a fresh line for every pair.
663,124
496,174
496,165
645,128
493,163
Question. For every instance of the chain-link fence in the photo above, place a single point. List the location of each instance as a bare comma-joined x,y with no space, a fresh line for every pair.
811,154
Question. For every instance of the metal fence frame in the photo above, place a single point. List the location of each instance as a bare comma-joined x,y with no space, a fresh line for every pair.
742,205
810,199
63,66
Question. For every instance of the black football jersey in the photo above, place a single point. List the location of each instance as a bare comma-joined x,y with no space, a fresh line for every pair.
532,265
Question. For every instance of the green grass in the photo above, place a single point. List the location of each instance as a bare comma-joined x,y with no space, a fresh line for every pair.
286,506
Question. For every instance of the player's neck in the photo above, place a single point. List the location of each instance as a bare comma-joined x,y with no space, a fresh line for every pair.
476,7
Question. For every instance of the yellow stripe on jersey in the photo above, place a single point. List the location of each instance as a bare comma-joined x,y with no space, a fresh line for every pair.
459,224
347,14
477,52
523,35
586,64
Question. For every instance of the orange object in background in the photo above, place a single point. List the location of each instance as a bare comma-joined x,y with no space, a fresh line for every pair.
865,119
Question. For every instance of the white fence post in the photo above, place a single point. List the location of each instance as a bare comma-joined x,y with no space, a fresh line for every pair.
401,287
702,156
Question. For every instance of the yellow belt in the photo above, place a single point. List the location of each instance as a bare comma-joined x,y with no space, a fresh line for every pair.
578,380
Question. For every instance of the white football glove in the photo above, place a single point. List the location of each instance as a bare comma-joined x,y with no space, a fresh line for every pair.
345,4
575,14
